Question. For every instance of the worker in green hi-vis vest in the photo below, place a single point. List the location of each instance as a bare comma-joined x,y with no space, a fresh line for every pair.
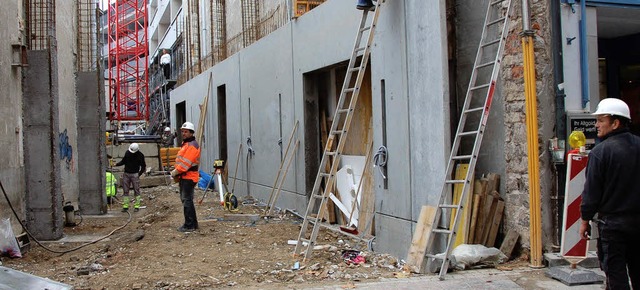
111,188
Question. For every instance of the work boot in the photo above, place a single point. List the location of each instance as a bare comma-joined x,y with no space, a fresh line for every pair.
184,229
136,204
125,204
365,5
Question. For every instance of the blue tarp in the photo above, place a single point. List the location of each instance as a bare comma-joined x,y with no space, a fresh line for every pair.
204,180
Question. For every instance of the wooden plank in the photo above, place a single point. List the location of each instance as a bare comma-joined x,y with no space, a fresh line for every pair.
474,217
509,243
483,219
203,113
489,219
495,225
463,226
493,182
241,217
415,257
330,212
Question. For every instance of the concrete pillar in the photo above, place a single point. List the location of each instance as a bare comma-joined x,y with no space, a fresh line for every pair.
44,214
91,147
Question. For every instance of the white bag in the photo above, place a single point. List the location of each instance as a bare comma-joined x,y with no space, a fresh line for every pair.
8,244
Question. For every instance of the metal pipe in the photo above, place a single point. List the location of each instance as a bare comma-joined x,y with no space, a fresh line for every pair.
531,104
584,61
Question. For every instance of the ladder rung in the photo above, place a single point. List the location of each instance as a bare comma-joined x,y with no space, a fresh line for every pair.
331,153
491,42
455,181
442,231
323,174
485,64
462,157
349,90
305,241
473,110
354,69
317,195
496,21
359,49
340,111
338,132
450,206
479,87
496,2
468,133
363,29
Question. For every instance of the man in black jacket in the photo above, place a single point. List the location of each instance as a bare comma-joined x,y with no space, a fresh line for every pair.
134,166
612,190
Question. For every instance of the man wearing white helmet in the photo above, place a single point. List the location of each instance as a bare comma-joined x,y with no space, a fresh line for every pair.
186,173
134,166
612,190
168,137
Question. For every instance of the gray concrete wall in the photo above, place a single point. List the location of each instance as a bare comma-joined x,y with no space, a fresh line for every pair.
41,149
11,123
274,66
66,24
92,198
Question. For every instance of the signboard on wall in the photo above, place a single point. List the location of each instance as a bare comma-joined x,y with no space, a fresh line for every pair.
584,122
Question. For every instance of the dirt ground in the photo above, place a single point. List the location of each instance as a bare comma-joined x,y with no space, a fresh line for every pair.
149,253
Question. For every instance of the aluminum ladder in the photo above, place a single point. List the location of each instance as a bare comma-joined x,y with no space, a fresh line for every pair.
471,126
338,131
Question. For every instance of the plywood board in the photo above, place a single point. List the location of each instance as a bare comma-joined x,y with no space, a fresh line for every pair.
462,231
417,251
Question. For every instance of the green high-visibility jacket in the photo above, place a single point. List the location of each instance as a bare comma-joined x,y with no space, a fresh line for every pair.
111,184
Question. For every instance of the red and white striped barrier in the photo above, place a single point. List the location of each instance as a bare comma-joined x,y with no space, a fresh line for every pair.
572,245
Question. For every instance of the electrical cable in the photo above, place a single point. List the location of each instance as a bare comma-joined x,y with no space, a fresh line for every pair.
51,250
380,160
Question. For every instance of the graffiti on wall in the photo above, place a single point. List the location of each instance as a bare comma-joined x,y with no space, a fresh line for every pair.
66,151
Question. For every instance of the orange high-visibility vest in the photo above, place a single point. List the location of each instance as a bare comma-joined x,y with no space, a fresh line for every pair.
187,160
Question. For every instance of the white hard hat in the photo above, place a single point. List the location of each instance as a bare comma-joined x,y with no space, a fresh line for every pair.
188,126
613,106
167,129
133,148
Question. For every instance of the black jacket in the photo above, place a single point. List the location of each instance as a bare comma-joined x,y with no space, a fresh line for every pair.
133,162
612,185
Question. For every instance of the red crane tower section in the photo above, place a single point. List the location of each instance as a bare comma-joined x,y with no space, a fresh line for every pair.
128,50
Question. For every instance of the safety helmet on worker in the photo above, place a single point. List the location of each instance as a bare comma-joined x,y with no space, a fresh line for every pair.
133,148
188,126
167,129
614,107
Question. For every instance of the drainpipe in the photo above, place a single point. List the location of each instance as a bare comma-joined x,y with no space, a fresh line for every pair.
584,61
535,225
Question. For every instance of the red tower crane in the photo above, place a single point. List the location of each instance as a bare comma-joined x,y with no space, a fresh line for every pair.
127,63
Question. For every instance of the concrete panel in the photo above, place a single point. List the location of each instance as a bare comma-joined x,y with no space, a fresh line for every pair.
390,66
65,34
267,100
11,131
92,198
428,100
393,235
43,192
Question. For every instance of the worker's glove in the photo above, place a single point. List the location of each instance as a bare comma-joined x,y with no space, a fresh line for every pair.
174,173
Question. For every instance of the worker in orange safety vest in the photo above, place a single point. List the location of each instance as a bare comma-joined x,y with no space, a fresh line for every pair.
186,173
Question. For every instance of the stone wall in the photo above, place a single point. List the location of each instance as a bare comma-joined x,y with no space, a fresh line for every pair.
517,177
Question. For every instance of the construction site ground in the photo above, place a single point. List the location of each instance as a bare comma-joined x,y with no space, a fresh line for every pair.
149,253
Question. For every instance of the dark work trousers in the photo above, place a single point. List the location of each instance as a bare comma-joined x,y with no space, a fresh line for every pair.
130,180
186,196
619,251
166,71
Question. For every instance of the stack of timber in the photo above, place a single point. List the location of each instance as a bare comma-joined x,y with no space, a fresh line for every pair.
482,217
168,156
